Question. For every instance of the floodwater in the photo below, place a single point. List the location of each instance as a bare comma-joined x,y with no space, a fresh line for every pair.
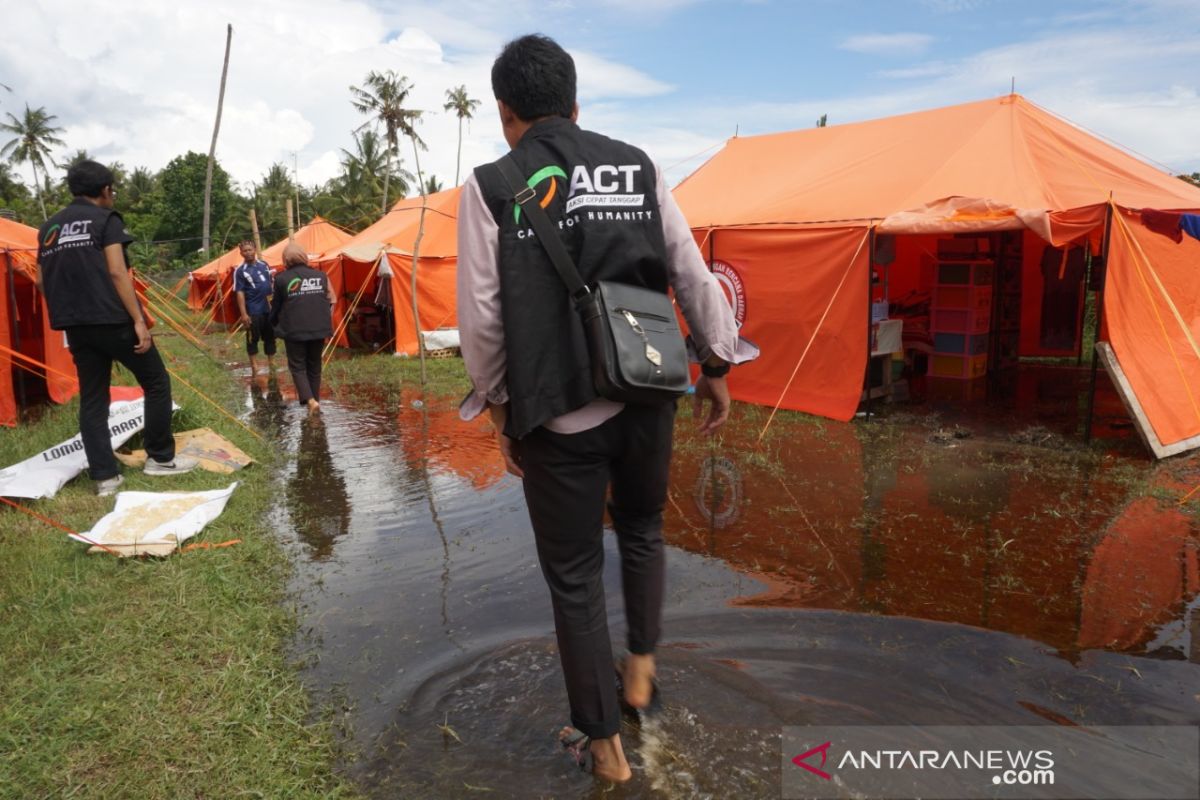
931,566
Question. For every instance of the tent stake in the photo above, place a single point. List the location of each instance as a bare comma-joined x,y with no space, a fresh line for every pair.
1091,404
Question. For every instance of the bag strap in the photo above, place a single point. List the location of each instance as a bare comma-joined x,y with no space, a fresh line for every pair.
543,227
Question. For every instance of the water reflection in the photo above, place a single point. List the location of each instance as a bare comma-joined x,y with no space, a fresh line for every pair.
267,412
1041,543
428,611
316,493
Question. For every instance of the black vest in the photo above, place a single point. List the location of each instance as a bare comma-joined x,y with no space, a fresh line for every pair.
74,270
301,310
601,195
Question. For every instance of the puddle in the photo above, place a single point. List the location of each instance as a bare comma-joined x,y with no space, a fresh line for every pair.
840,574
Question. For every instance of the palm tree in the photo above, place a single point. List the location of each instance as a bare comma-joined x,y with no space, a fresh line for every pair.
432,185
355,192
383,96
139,187
34,138
458,102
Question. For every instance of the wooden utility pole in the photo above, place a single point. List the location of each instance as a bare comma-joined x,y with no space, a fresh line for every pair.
212,150
291,229
254,228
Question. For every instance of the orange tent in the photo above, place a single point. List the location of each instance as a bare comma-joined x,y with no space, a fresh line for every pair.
384,251
213,283
788,221
25,327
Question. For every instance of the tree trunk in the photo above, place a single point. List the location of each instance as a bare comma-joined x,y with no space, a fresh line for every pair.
387,173
416,257
212,150
37,187
458,160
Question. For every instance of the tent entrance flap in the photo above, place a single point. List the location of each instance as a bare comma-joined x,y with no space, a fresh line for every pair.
1140,422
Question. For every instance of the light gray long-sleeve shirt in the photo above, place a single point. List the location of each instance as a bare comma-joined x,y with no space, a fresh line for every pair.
481,328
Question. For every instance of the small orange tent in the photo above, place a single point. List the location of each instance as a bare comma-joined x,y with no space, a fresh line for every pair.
385,251
25,326
788,220
212,284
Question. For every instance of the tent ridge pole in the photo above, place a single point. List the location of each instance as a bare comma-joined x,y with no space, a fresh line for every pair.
1104,247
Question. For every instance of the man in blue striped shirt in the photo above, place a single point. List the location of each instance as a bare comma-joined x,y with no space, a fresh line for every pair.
252,281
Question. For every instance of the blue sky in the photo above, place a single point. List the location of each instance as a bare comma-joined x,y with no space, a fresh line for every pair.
677,77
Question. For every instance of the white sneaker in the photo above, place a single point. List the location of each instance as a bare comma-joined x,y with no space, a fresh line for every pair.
178,466
108,487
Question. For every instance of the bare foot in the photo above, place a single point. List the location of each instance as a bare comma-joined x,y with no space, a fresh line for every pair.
637,676
313,406
608,758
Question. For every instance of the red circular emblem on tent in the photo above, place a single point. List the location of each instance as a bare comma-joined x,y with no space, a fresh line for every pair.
735,292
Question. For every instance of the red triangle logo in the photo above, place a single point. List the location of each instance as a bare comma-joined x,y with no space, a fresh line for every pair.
801,761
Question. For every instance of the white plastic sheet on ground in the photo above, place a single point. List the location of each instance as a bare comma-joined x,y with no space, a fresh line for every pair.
47,472
155,523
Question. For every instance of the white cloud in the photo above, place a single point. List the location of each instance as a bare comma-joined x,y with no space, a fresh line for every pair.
888,44
1102,80
143,88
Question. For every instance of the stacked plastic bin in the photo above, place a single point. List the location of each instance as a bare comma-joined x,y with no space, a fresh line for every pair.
961,318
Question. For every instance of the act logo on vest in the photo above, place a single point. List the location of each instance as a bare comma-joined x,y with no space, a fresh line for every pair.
734,289
607,190
68,233
304,286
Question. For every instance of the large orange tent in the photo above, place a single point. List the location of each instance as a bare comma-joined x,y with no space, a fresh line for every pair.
25,327
213,283
790,220
385,250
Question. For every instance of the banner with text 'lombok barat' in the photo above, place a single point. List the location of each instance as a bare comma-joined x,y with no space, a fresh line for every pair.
47,472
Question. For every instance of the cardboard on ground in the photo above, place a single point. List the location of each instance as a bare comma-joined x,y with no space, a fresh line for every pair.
215,452
154,523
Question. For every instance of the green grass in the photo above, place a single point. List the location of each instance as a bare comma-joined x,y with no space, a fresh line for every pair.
154,678
443,376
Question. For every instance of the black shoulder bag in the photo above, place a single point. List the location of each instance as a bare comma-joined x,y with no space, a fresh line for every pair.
636,348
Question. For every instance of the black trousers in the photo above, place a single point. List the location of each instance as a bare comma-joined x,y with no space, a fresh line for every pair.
304,362
566,480
94,349
260,329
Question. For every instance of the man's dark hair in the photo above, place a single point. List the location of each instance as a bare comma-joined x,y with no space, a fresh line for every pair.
88,178
245,242
535,78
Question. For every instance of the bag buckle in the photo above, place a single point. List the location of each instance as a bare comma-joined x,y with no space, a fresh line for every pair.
525,195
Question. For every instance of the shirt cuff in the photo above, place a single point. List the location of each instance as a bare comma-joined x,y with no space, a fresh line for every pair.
476,402
743,350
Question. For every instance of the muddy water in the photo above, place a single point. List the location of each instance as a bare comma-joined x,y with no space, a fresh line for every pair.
912,570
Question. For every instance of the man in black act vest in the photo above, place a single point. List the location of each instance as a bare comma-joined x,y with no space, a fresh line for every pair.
526,355
84,276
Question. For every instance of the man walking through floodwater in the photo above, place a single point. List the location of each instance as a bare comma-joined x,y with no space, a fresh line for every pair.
523,347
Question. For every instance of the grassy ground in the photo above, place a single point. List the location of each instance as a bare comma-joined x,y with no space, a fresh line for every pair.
155,678
444,376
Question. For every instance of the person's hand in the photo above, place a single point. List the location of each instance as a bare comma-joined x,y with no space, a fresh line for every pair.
142,333
512,458
508,446
716,391
245,320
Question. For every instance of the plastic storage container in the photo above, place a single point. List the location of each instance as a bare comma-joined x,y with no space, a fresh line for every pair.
960,367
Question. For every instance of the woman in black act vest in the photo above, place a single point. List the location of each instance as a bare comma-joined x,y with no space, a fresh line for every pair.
301,314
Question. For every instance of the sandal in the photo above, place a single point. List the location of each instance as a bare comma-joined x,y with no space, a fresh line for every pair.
648,711
579,745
